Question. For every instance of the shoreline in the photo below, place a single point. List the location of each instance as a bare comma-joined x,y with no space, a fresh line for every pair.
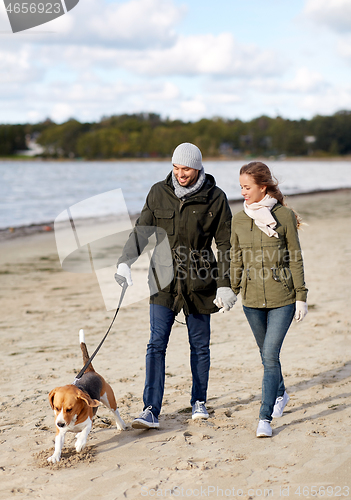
277,158
12,232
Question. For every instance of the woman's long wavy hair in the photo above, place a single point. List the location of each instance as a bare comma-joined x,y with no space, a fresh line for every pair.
262,176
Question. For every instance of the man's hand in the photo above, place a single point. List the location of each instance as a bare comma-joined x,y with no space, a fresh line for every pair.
225,298
124,270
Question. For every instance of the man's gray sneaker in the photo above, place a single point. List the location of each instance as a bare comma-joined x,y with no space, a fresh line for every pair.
199,410
146,420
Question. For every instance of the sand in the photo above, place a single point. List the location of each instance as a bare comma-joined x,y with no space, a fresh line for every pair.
43,309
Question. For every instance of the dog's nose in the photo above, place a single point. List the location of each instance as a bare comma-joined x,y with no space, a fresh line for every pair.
60,424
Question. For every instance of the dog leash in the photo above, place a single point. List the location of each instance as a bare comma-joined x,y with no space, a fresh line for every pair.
123,283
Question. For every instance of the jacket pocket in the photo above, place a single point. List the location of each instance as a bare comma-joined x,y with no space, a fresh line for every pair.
283,275
244,281
202,271
247,254
286,277
161,272
165,219
204,220
272,252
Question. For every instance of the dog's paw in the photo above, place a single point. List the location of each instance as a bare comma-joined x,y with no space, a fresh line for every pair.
80,444
121,426
79,447
54,458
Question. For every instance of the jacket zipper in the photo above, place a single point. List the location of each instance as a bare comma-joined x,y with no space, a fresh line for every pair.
264,289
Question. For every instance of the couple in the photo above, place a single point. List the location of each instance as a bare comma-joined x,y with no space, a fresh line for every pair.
258,253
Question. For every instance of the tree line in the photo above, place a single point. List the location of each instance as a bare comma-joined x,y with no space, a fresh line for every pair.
147,135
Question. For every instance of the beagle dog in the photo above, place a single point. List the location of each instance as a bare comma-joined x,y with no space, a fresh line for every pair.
76,404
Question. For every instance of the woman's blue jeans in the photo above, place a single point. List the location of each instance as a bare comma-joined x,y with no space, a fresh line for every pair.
269,327
161,322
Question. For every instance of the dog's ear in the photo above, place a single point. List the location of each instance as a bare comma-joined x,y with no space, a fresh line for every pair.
89,401
51,397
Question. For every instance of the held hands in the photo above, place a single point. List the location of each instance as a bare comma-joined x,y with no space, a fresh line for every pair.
225,298
301,310
124,270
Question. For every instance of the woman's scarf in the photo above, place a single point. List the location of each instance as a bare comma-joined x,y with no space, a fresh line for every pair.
260,212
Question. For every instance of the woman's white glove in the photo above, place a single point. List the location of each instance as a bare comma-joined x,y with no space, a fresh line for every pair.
124,270
225,298
301,310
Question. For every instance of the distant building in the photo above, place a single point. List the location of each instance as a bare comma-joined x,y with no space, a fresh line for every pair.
310,139
34,149
227,149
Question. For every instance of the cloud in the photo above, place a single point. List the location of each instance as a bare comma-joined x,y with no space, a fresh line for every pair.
111,57
17,67
87,99
327,102
302,81
166,91
344,48
336,14
190,56
139,37
305,81
207,54
61,111
90,98
194,108
135,24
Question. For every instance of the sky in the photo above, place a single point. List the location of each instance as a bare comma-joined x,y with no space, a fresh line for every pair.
181,59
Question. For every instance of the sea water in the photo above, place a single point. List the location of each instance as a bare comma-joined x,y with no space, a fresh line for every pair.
35,192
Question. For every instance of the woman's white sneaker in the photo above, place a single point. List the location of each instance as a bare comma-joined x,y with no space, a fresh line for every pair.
280,404
264,429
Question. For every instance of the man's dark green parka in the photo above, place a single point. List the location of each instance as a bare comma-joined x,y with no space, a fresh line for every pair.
191,227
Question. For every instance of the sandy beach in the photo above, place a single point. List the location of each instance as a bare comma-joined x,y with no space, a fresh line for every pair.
43,309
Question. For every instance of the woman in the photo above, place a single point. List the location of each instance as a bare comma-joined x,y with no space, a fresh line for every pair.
267,266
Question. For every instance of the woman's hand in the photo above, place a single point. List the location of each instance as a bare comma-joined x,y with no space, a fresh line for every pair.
301,310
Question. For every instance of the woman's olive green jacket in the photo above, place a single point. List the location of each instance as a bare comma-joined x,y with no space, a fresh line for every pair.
267,270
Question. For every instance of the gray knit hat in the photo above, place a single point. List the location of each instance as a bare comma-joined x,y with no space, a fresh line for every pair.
188,155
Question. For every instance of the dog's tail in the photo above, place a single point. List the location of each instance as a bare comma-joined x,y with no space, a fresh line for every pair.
84,350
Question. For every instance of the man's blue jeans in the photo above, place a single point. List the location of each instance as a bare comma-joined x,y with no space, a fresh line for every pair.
161,322
269,327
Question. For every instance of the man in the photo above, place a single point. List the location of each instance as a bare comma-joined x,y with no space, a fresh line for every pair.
193,211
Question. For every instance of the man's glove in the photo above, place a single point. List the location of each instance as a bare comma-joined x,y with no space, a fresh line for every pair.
301,310
124,270
225,298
